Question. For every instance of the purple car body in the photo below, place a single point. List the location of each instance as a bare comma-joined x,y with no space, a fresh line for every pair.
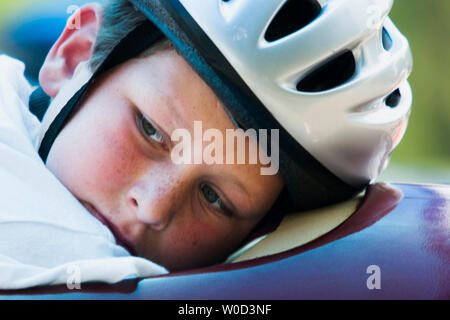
404,236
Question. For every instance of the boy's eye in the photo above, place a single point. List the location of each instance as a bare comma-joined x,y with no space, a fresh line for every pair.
214,199
147,129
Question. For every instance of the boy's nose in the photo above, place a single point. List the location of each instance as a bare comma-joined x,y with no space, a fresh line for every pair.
156,197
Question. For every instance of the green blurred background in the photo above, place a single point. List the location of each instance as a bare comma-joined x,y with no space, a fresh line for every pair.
425,149
424,153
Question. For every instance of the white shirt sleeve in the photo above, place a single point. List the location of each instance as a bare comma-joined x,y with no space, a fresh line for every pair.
14,97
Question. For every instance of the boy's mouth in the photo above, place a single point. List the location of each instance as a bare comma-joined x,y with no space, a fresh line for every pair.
118,235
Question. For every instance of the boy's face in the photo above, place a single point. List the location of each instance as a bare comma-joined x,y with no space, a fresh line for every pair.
114,155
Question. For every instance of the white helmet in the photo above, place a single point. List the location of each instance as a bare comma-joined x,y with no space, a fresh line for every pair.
329,82
331,75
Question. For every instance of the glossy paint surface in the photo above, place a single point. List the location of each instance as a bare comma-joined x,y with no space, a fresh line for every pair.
407,236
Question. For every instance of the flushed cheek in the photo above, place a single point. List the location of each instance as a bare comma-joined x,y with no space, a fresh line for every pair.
115,160
195,245
101,163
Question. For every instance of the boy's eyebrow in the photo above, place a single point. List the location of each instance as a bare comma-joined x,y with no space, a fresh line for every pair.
234,180
177,120
237,183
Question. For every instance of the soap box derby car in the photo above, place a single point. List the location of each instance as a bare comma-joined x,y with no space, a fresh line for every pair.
393,242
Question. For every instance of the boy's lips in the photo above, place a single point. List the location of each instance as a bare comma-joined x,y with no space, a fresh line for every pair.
118,235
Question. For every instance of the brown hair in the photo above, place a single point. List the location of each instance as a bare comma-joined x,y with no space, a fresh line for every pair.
120,17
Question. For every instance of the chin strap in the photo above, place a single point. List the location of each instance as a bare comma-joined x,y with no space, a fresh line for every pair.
39,102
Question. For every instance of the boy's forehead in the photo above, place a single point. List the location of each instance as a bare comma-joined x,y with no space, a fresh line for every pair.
167,79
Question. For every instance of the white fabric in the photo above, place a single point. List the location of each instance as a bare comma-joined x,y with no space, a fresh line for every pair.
46,235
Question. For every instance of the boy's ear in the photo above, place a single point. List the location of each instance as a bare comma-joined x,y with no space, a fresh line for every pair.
73,46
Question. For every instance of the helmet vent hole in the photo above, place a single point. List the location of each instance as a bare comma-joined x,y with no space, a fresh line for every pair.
387,41
293,16
333,73
393,99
